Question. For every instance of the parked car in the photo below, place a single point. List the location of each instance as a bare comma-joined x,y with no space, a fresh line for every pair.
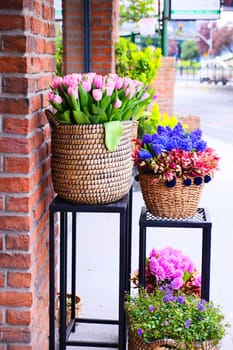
216,72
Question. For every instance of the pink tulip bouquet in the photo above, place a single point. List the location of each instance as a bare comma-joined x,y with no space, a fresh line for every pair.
95,99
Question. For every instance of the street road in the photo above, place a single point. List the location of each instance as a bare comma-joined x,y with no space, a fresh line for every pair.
213,104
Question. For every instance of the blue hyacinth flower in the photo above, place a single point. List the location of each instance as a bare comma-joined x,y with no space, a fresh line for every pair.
144,154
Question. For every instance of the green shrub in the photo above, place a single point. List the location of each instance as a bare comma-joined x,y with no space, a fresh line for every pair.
58,56
151,120
137,64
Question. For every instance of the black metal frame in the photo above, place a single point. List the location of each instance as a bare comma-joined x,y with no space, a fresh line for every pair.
58,205
200,220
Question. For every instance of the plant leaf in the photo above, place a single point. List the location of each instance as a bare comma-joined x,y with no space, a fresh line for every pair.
80,117
64,118
83,95
113,133
105,102
187,276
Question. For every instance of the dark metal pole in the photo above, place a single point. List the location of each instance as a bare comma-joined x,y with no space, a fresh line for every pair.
165,28
86,36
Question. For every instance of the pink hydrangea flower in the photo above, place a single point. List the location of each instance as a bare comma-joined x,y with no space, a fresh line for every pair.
177,283
168,266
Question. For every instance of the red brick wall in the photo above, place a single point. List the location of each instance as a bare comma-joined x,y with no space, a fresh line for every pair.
164,85
26,63
73,37
104,34
104,15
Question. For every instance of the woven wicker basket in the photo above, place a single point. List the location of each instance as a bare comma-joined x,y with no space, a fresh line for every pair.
179,201
135,129
78,307
136,343
83,170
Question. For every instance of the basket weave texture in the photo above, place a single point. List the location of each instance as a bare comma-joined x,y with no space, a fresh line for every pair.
136,343
83,170
78,307
179,201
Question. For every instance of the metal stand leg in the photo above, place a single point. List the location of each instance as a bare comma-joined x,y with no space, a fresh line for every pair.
123,273
206,256
73,273
142,256
63,278
52,283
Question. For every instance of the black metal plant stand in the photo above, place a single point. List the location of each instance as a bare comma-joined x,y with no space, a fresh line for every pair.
58,205
200,220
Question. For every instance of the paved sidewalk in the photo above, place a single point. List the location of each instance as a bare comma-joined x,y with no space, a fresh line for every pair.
98,253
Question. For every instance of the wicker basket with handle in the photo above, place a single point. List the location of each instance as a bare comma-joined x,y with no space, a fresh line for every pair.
83,170
78,307
179,201
136,343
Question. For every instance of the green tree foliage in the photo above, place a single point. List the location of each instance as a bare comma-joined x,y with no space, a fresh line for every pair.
137,64
189,50
58,56
134,10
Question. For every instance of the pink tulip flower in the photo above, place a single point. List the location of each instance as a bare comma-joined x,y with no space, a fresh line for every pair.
117,103
109,89
57,99
54,98
51,96
86,84
57,82
130,92
97,94
98,81
72,91
145,96
118,83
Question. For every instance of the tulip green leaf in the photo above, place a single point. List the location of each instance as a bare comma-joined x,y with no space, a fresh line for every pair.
64,118
95,109
83,95
105,102
127,114
113,133
58,107
80,117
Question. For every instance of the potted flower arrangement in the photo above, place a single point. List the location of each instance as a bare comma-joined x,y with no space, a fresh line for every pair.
173,166
172,320
91,135
78,307
170,268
